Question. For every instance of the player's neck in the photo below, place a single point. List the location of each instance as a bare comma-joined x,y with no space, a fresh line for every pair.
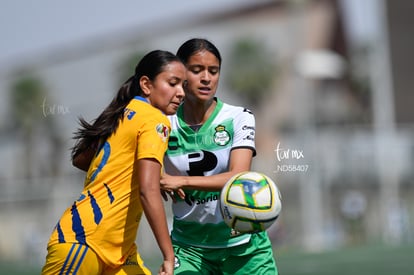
196,113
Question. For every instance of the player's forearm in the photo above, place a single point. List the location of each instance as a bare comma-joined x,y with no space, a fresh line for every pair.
208,183
155,214
149,192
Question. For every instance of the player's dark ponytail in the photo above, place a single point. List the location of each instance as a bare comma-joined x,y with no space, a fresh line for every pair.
91,135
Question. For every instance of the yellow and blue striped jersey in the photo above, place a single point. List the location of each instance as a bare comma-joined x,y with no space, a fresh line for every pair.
106,215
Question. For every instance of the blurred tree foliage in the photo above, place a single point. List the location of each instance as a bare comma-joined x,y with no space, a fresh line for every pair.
360,80
26,97
127,65
31,121
252,70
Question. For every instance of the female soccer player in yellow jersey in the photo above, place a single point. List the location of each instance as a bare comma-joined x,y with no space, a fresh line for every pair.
96,234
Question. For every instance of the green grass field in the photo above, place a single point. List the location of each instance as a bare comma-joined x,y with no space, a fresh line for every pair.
367,260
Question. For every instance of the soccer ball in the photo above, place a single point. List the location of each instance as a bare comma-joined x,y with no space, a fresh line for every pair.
250,202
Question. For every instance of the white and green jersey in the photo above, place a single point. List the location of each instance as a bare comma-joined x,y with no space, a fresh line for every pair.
205,152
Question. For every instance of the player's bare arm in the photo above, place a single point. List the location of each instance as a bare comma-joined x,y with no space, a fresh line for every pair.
240,160
154,210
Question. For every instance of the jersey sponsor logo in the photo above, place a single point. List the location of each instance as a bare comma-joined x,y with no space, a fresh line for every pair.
162,131
251,134
190,199
249,137
247,127
130,261
201,162
221,136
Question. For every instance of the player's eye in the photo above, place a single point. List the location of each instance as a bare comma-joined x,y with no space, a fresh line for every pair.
174,81
214,70
195,69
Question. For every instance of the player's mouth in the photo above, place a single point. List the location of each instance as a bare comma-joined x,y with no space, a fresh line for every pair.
204,90
175,104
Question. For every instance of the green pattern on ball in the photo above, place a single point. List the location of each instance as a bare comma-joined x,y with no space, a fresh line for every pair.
250,188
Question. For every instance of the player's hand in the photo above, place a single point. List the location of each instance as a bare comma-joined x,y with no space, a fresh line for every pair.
172,185
168,182
167,268
166,193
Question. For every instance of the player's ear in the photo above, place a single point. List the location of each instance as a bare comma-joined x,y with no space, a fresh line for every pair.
146,85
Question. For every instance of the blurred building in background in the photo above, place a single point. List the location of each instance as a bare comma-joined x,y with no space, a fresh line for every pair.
334,121
400,42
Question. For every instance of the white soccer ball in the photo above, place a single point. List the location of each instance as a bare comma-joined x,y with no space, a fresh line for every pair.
250,202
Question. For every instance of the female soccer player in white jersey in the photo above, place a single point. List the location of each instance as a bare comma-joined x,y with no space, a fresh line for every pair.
122,151
210,141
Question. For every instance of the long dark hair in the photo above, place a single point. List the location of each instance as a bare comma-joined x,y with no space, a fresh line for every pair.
92,135
194,45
